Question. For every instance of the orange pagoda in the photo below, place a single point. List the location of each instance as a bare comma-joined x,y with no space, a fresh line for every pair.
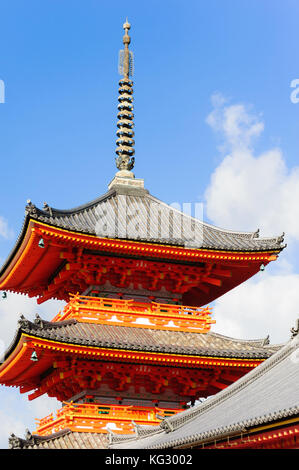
133,344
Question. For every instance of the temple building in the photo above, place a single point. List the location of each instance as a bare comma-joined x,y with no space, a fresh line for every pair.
259,411
133,349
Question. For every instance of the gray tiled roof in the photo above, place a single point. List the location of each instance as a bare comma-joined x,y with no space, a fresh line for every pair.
265,394
133,213
146,339
65,439
212,344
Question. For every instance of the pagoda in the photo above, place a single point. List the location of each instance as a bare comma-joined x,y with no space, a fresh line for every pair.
133,344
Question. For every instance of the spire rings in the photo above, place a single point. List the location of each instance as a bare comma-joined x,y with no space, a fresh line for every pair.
125,142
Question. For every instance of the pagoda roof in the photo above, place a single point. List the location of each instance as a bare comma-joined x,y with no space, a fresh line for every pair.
65,439
143,339
267,394
127,345
75,334
110,215
129,224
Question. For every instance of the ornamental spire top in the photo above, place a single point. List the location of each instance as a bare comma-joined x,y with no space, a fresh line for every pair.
125,135
126,59
125,143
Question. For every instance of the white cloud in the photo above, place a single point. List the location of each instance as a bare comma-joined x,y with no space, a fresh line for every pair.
266,304
9,424
249,191
14,305
43,406
5,230
237,125
18,413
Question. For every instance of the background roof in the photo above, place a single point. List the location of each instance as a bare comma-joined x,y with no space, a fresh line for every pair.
58,131
267,393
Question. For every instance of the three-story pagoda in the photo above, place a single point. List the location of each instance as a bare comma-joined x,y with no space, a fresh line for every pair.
133,343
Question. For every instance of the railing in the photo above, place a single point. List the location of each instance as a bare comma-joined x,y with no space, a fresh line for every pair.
133,313
98,418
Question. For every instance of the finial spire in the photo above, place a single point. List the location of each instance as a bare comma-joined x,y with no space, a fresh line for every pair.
126,56
125,143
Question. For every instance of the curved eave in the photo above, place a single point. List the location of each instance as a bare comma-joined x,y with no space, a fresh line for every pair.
16,250
29,268
17,362
18,368
120,206
24,258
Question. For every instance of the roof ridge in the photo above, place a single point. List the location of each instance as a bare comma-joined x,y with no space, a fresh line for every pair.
250,234
48,209
41,327
222,431
119,190
175,422
33,439
251,376
166,343
38,322
259,341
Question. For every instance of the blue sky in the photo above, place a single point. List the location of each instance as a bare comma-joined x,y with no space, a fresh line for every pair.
214,123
